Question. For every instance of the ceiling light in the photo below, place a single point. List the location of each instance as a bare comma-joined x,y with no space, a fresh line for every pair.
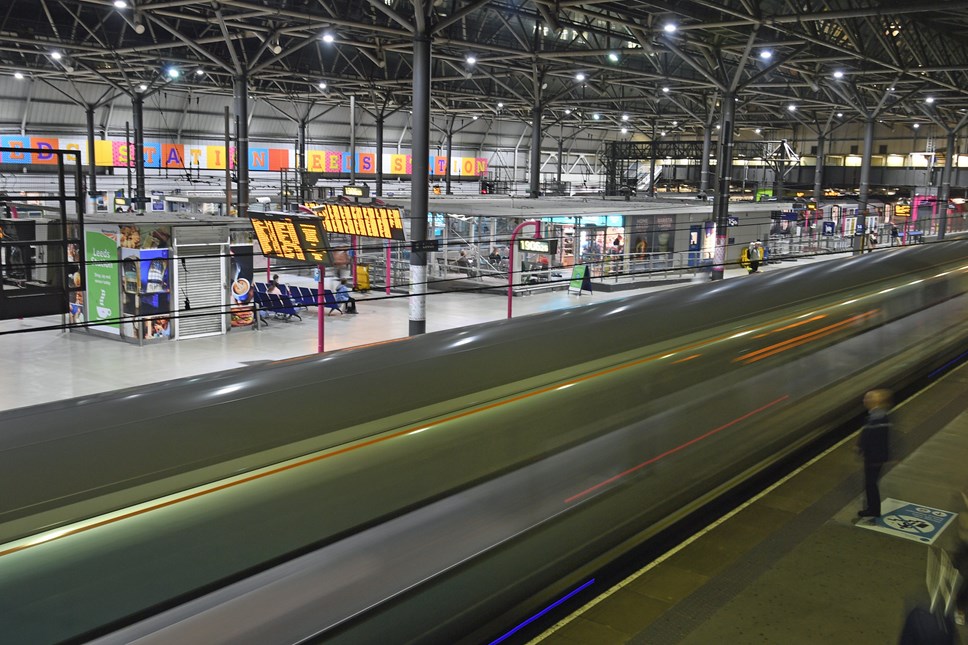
500,105
662,134
474,117
18,75
596,116
471,60
929,100
840,114
173,72
792,107
890,89
669,28
567,110
322,85
838,74
766,54
757,130
275,47
579,77
718,126
675,123
199,72
665,90
139,28
328,38
625,117
142,87
625,130
120,4
916,126
612,56
56,55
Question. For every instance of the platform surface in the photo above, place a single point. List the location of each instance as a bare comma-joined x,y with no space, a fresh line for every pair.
796,565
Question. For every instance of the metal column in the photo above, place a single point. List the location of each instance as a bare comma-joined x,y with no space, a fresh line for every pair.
241,142
228,170
707,143
946,186
450,151
420,151
724,170
352,139
137,108
865,166
818,171
561,152
379,156
652,161
535,187
301,160
92,175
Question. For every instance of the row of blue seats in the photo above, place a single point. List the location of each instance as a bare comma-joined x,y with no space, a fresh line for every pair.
293,297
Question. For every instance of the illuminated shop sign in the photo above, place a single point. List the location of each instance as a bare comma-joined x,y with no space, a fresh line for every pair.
356,191
291,238
364,221
538,246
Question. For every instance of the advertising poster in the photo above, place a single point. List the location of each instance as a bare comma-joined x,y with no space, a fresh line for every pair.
146,293
241,286
145,237
103,290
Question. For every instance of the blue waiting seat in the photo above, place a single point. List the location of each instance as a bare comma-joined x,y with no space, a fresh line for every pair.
280,306
303,296
329,302
283,307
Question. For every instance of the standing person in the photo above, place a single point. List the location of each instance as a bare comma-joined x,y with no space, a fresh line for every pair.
755,255
343,296
874,445
894,234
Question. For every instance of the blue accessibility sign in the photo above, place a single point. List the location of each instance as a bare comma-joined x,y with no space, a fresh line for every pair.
828,228
732,220
910,521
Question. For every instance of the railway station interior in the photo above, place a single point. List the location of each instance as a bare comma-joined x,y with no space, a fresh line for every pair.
472,321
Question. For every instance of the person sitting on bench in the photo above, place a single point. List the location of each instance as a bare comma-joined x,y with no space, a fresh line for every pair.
343,296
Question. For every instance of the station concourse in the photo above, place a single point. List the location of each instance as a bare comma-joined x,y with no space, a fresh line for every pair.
157,157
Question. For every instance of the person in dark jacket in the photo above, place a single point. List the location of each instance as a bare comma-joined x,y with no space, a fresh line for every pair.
874,446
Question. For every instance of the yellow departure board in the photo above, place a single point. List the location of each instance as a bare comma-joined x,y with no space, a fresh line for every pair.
364,221
291,237
902,210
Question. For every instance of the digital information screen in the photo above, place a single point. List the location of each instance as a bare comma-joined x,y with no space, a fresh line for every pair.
365,221
902,210
538,246
291,237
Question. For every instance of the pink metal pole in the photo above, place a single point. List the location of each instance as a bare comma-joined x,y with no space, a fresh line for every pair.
537,236
320,309
268,269
354,261
388,272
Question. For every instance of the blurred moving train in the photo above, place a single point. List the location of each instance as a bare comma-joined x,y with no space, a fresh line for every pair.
438,488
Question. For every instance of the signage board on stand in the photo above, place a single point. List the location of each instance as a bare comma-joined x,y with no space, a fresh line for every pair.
581,279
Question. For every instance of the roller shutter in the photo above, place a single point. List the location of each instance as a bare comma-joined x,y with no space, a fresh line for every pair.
199,283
